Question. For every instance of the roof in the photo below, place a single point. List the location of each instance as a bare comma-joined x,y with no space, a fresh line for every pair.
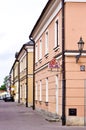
43,12
30,43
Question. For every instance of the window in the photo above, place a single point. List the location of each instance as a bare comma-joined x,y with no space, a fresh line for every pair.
40,90
20,66
21,91
36,53
56,34
25,90
40,49
46,89
36,92
46,42
22,63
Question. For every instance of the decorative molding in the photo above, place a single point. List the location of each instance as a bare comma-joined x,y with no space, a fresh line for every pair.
30,50
42,67
74,54
58,57
46,65
47,20
75,0
22,57
30,75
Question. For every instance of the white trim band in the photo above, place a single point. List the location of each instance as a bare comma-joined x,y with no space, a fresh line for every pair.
75,0
74,54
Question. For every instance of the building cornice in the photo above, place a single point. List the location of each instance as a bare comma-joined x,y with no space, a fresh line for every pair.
67,53
45,18
75,0
74,53
58,57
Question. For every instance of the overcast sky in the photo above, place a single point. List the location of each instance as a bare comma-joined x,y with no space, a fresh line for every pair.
17,18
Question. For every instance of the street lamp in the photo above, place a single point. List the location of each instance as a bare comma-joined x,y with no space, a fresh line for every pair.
80,47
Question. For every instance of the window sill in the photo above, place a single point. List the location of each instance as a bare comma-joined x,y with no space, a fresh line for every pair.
40,60
56,48
36,101
36,63
40,102
46,103
46,55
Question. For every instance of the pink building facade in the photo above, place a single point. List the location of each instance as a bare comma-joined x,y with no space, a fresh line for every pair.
60,86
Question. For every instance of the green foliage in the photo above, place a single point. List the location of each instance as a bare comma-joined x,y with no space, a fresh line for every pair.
3,87
5,80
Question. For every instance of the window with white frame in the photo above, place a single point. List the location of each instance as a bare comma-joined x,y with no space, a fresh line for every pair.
46,89
25,90
56,33
36,91
21,91
24,62
40,91
46,42
40,49
20,66
36,54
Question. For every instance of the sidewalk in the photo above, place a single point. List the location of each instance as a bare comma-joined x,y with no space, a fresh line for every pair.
44,124
14,116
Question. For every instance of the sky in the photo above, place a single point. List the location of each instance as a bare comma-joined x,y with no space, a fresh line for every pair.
17,19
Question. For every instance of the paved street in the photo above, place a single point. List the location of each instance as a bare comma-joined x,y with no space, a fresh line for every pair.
14,116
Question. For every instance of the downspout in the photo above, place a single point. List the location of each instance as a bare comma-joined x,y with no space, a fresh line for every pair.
33,71
10,83
26,77
18,81
63,69
13,76
13,82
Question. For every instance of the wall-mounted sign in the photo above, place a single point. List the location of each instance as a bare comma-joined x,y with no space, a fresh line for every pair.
82,68
54,64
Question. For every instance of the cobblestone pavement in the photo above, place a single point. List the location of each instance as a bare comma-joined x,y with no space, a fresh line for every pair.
14,116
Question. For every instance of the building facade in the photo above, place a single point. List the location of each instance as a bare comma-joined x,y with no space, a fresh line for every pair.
60,67
22,75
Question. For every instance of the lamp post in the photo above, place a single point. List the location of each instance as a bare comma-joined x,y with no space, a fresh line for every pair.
80,47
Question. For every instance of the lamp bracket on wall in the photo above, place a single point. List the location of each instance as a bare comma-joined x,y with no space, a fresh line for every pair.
78,56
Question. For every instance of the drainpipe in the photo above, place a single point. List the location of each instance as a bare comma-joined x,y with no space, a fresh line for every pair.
33,71
63,69
13,82
26,77
18,81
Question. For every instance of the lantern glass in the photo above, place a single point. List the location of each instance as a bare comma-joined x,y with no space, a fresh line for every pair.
80,44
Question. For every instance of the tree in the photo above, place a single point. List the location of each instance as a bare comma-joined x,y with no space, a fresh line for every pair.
3,86
5,80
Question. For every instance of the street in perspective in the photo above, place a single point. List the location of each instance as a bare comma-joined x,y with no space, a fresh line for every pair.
45,88
14,116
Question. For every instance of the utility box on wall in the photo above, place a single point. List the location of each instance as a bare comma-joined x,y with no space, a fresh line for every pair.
72,112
